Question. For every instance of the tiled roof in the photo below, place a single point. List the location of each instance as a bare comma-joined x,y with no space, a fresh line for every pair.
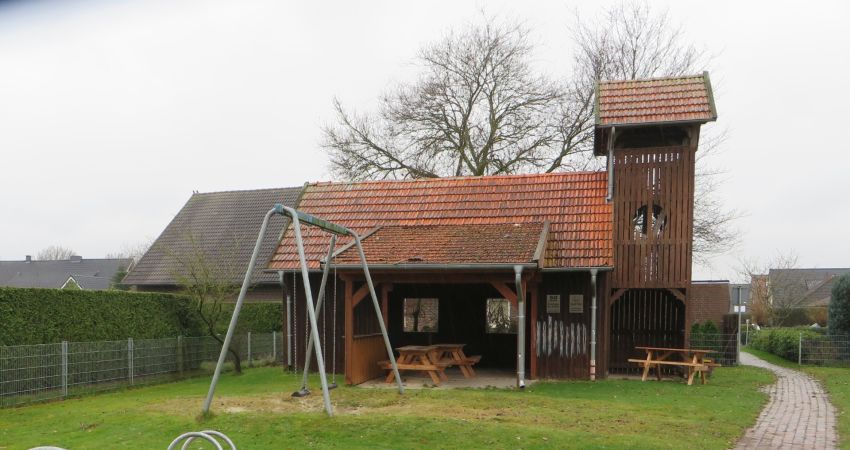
580,232
505,243
660,100
221,228
53,274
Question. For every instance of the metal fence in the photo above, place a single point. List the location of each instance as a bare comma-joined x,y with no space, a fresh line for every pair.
725,347
32,373
824,351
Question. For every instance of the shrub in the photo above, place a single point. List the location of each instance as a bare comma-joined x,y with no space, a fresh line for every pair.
839,307
40,316
782,342
37,316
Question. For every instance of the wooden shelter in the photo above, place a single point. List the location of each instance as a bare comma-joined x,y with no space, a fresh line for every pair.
602,259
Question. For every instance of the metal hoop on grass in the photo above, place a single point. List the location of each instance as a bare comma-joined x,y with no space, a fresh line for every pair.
208,435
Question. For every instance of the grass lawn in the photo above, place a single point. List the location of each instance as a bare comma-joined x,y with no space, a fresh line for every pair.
256,411
836,381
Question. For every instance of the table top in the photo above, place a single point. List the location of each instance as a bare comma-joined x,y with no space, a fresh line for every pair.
416,348
690,350
449,345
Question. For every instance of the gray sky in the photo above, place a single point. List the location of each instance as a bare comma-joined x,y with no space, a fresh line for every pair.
112,112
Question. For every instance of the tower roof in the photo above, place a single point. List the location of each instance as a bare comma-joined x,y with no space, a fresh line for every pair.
684,99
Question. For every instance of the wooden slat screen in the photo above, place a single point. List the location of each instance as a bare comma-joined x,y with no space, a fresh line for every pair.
656,184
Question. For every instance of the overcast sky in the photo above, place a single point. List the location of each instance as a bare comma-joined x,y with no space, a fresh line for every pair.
113,112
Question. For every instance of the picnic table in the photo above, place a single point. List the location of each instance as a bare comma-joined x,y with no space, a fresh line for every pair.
454,355
692,359
432,360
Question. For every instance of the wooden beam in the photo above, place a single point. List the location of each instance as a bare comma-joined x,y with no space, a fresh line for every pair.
505,291
616,295
359,295
349,331
678,294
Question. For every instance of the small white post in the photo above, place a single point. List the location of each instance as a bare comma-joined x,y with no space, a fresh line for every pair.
130,359
274,347
64,368
250,359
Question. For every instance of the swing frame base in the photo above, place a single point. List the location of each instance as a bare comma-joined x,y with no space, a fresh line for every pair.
303,392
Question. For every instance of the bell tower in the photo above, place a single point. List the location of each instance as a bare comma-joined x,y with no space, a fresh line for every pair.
649,132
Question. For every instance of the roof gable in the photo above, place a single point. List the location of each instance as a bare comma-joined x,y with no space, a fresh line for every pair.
220,227
580,233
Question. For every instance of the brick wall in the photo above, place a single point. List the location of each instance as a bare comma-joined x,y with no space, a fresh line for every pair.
710,301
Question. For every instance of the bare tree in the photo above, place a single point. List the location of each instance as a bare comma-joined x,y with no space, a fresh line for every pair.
209,286
479,108
775,293
55,253
133,251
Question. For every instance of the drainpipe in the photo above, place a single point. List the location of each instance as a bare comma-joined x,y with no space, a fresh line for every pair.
520,336
593,325
611,165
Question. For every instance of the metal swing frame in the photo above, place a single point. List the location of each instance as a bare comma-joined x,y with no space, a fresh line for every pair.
297,217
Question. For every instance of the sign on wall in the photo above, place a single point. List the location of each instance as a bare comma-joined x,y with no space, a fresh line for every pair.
576,304
553,304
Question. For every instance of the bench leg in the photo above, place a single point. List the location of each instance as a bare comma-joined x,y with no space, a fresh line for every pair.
658,371
691,373
646,367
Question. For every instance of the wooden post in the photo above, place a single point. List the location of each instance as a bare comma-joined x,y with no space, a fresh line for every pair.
349,330
386,288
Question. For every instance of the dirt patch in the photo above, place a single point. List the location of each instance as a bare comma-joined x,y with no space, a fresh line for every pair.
277,404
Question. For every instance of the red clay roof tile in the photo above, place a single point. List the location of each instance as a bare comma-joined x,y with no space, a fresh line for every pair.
660,100
506,243
580,232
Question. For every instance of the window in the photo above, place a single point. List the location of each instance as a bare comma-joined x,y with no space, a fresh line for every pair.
420,315
640,222
501,316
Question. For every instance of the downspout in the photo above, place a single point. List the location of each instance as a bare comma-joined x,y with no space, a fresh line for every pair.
288,319
593,325
520,336
610,164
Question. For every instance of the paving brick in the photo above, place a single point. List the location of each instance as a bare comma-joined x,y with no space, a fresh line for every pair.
798,415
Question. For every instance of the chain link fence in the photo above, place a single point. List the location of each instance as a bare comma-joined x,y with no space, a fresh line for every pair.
33,373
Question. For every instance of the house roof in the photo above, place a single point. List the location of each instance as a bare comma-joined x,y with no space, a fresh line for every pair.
803,287
54,274
504,243
91,283
655,101
220,227
580,231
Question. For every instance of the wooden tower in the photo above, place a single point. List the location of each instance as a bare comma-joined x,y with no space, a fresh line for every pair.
649,131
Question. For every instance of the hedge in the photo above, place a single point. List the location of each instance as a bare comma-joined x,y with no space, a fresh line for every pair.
782,342
39,316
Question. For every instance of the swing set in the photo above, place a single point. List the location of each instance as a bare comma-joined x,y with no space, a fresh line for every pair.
313,344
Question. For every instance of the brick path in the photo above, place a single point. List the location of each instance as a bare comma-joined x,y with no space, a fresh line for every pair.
798,415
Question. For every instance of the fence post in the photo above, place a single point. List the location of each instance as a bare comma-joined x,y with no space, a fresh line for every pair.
250,359
800,350
180,354
130,359
274,347
64,368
